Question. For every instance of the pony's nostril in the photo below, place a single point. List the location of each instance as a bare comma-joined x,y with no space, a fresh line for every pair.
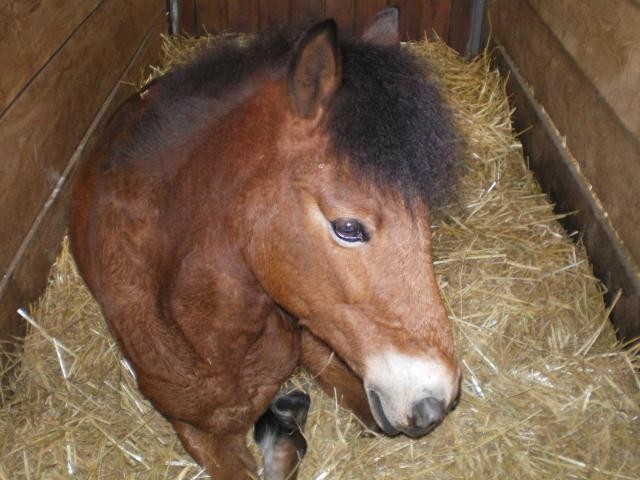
378,413
426,414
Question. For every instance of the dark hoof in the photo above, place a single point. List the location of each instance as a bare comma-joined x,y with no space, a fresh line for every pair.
291,409
284,421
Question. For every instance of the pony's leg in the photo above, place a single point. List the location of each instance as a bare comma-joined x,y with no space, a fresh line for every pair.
278,433
224,457
335,377
212,415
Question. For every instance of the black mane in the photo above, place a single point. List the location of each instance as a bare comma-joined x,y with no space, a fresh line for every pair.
388,121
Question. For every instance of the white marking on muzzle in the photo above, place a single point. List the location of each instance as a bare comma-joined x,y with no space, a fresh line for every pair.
401,381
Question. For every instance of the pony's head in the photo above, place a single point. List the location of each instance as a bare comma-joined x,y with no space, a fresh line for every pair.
340,234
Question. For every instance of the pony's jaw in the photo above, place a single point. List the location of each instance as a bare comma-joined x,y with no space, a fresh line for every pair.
409,393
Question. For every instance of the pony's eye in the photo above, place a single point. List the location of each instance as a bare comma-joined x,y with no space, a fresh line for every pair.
349,230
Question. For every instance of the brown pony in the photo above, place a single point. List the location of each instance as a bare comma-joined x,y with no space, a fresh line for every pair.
266,207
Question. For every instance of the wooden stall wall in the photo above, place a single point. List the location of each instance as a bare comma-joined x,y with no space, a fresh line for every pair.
65,66
450,19
581,62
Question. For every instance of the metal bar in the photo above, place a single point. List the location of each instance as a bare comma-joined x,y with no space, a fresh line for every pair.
475,30
173,10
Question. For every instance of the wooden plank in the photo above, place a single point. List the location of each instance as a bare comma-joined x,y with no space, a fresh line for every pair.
243,15
26,282
603,38
411,19
607,153
188,17
40,130
342,11
435,17
30,33
30,278
560,175
211,16
364,12
138,69
274,12
459,25
304,12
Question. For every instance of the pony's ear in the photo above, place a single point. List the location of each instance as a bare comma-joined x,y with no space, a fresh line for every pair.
383,29
314,71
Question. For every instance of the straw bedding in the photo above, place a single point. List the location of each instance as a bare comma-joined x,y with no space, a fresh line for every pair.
547,390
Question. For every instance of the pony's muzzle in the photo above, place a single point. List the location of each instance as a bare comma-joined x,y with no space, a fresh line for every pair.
410,394
424,416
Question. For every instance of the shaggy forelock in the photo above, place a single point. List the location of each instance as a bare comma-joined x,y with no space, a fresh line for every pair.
390,123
